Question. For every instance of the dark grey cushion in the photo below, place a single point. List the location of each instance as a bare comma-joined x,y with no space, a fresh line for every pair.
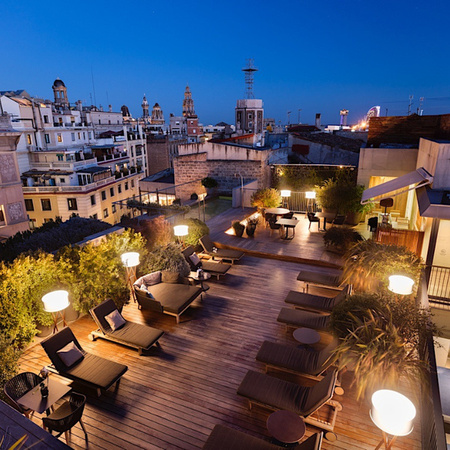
215,267
306,319
151,278
174,297
137,335
318,302
70,354
170,277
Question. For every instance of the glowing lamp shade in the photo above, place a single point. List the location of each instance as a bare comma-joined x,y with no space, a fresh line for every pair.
180,230
399,284
285,193
392,412
130,259
55,301
310,194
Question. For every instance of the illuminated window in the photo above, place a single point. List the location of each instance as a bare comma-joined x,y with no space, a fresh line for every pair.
29,141
59,137
105,213
32,223
29,204
72,204
46,204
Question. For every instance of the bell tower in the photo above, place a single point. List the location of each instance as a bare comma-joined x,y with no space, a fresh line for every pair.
144,105
60,93
188,103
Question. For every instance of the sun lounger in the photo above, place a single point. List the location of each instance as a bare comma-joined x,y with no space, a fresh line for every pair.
225,438
274,393
319,278
94,371
221,254
317,303
135,335
214,268
300,318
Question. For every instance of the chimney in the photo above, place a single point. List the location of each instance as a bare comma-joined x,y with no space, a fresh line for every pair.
318,120
79,104
110,108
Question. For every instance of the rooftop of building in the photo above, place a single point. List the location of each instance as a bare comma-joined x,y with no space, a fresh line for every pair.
46,173
332,140
164,176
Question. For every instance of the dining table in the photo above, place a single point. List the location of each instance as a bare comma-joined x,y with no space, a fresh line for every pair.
277,211
326,216
288,224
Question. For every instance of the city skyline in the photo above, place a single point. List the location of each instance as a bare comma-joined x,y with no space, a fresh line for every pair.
311,58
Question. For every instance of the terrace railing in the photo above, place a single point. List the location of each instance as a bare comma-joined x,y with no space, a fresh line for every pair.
439,286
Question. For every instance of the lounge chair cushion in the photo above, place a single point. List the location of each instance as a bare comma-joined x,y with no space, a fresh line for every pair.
301,318
195,259
170,277
115,320
70,354
225,438
215,268
137,335
310,276
151,278
174,297
317,302
223,253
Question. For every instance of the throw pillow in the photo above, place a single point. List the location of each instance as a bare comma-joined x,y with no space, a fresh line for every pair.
195,259
170,277
143,287
70,354
152,278
115,320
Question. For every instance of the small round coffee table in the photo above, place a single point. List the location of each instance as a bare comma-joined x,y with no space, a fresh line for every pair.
306,336
286,426
204,276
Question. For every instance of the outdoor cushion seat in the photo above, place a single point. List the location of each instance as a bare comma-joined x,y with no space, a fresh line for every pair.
302,360
274,393
312,302
219,253
319,278
214,268
98,372
299,318
225,438
132,334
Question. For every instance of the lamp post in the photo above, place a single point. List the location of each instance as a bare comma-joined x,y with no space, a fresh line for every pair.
400,284
55,303
180,231
393,414
310,196
285,193
130,260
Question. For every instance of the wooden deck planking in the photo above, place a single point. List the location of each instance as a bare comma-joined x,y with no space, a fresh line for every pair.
173,397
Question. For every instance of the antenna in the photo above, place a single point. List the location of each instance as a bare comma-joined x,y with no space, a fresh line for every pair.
410,104
249,69
93,86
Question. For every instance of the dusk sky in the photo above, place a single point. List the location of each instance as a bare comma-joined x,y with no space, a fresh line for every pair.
320,56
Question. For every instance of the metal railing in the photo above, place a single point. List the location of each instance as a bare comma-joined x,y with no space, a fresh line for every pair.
439,285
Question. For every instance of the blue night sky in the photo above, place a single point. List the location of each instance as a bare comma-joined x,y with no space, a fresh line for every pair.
320,56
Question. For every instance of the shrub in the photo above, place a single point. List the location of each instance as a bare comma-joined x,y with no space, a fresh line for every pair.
9,357
168,258
341,238
196,229
209,183
266,198
158,232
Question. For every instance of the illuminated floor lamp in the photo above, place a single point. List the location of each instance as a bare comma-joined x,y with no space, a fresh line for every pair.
310,196
55,303
130,260
285,194
401,285
180,231
393,414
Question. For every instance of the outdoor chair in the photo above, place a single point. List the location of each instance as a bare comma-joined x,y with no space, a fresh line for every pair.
214,268
219,253
339,220
71,361
274,394
298,318
289,215
66,416
226,438
373,224
18,386
135,335
317,303
274,226
312,218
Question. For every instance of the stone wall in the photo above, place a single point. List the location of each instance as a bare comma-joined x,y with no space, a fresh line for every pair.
157,154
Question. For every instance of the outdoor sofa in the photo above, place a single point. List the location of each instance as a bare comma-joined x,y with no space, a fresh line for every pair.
71,361
135,335
274,394
319,303
222,254
300,318
226,438
165,292
214,268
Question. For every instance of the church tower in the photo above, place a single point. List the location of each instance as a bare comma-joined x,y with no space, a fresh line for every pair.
144,105
188,104
157,115
60,94
192,128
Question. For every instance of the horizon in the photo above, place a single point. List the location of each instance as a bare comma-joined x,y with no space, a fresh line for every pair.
353,57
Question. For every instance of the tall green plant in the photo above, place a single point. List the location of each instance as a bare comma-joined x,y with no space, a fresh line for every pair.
266,198
196,229
165,258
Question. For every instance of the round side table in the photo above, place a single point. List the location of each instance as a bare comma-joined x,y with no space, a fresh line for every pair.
306,336
286,426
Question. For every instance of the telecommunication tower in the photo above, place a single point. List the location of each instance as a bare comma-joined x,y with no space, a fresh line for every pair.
249,70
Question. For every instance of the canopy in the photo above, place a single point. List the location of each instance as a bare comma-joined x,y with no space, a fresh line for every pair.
419,177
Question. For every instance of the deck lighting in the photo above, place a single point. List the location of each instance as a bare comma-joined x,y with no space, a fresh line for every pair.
130,260
393,414
285,193
55,303
180,230
399,284
310,194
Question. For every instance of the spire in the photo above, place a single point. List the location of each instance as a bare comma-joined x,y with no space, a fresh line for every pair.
188,103
144,108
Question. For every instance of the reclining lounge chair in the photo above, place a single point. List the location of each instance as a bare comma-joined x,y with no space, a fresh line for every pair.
214,268
316,303
274,394
71,361
300,318
317,278
135,335
225,438
221,254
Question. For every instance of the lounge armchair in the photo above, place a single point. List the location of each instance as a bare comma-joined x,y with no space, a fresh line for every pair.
316,303
274,226
78,365
18,386
313,218
161,292
131,334
299,318
225,438
319,278
221,254
274,393
214,268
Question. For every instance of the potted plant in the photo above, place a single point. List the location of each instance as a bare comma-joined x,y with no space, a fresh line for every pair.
238,228
250,229
357,211
266,198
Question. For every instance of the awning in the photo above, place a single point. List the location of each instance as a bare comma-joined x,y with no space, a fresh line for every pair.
420,177
433,203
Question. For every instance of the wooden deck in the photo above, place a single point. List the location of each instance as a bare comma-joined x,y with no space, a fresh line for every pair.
173,397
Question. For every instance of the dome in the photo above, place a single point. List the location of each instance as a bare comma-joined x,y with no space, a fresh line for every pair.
58,83
156,105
